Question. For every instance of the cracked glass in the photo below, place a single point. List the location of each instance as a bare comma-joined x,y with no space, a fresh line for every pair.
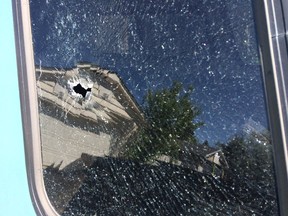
152,108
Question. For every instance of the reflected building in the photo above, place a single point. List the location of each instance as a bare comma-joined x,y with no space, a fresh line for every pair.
85,109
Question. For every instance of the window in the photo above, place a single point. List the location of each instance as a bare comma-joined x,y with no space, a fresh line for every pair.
153,108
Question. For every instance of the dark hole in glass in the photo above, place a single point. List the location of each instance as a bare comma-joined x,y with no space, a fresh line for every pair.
80,90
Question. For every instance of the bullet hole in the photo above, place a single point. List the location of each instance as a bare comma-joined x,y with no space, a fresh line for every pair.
80,90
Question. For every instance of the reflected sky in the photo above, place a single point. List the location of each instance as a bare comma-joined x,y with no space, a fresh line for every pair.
150,44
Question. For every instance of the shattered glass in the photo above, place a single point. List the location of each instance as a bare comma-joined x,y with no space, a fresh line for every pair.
152,108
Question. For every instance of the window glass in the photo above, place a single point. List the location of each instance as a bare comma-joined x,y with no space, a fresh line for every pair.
152,108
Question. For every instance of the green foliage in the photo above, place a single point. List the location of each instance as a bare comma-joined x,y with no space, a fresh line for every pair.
249,158
170,117
250,171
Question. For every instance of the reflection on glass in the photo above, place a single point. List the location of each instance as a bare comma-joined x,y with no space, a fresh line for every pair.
176,124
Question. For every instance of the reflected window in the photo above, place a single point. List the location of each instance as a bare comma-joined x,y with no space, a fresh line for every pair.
152,108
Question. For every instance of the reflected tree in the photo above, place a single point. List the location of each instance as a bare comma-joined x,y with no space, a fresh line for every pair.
170,121
250,158
251,173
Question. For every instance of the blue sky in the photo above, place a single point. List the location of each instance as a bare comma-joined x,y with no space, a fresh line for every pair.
209,44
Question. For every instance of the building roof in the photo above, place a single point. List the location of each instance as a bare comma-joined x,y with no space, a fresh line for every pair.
85,109
109,98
